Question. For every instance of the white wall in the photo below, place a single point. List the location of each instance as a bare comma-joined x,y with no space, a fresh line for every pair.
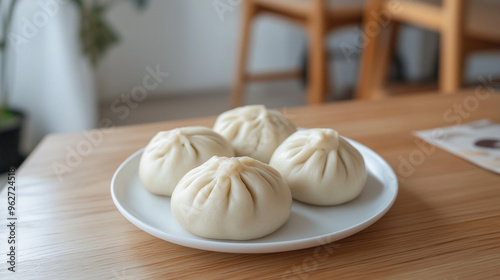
188,39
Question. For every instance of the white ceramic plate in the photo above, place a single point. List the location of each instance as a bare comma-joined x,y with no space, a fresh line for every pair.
308,225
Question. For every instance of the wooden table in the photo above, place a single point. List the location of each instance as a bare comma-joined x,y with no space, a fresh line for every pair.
445,223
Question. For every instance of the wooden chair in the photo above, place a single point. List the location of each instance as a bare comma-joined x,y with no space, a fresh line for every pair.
318,17
464,26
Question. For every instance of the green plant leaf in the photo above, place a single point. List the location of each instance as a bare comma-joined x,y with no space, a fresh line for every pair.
6,117
79,3
139,3
96,34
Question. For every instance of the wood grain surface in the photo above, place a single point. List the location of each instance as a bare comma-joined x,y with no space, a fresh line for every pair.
445,223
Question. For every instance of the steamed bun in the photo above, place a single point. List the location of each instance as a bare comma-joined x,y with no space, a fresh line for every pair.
171,154
320,167
232,198
254,130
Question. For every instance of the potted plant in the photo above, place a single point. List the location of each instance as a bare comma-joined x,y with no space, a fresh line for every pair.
10,119
96,37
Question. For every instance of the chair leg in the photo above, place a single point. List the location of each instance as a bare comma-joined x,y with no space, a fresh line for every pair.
249,12
384,57
372,40
327,74
317,75
451,52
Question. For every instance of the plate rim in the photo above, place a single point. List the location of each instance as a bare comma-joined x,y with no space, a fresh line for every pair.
230,246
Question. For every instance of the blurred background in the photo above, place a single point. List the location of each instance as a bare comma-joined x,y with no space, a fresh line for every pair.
74,65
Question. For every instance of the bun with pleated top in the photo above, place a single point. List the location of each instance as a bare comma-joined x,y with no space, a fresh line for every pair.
237,198
320,167
171,154
254,131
